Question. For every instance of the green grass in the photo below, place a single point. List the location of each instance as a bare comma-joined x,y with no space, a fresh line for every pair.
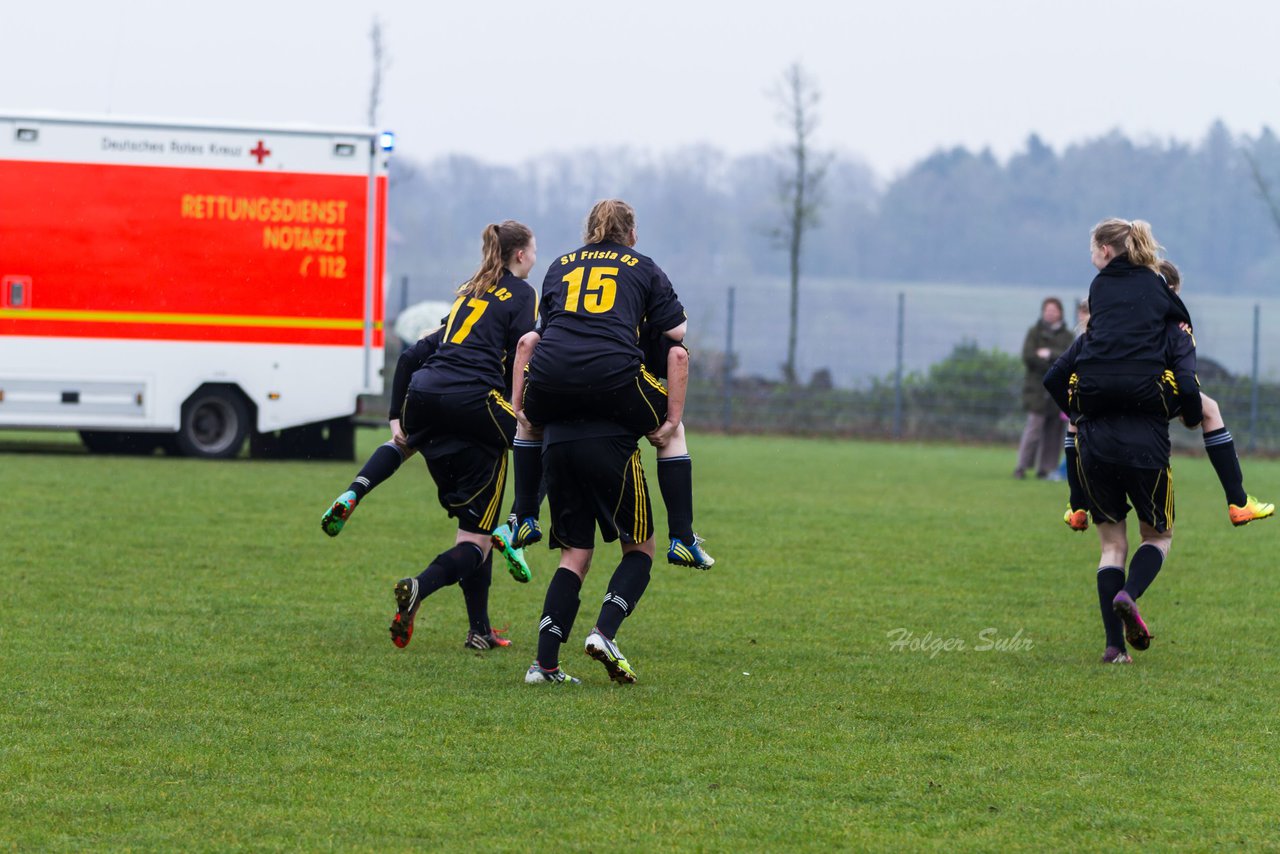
186,661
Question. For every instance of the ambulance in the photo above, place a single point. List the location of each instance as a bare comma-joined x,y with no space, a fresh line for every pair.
190,285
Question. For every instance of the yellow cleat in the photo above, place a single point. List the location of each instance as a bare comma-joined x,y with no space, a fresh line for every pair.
1077,520
1252,510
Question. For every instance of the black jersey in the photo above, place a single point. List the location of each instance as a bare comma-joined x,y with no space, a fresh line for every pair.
412,359
479,338
593,303
1128,309
1136,439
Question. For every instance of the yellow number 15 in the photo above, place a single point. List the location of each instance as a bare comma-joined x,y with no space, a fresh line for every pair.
599,294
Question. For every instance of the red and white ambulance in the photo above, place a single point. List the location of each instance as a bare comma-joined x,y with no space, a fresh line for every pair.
190,284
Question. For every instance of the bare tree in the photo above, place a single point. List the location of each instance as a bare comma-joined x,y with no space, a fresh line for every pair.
800,184
1263,185
381,62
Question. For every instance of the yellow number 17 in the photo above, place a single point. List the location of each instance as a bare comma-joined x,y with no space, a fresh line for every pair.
477,307
599,294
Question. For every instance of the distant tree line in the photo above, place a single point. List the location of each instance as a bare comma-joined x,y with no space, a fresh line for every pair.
956,216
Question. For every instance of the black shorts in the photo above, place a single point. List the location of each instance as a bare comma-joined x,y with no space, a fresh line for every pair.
464,438
470,480
483,418
1111,487
1124,394
640,406
594,482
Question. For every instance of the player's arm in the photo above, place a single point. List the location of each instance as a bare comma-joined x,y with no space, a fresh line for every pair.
1181,348
677,390
524,352
412,359
663,309
1057,379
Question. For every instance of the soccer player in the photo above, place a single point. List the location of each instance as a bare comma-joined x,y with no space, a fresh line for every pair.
454,414
1242,508
590,365
388,456
594,478
1123,457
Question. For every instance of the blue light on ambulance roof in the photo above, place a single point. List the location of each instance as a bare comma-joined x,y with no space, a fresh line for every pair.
387,140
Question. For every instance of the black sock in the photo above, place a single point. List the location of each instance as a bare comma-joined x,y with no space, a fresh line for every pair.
559,610
625,589
1076,495
475,592
1221,449
1111,582
1144,566
448,568
381,464
526,457
675,481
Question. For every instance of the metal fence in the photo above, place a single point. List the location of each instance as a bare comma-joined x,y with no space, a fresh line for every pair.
935,361
964,384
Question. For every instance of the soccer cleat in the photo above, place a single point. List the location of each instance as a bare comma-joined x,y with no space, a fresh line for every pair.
339,512
1077,520
607,653
407,602
682,554
537,676
516,564
1252,510
1135,631
1116,655
526,533
492,639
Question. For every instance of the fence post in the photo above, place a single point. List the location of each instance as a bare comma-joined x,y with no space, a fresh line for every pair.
897,372
1253,390
726,416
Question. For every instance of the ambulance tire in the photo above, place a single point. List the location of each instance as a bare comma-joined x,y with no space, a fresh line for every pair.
215,421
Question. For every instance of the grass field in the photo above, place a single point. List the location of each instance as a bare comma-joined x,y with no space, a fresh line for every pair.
187,662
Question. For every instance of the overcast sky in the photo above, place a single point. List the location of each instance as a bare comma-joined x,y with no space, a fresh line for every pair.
503,80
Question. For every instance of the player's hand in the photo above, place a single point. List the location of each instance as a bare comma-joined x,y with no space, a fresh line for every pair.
1185,327
1044,352
397,434
659,438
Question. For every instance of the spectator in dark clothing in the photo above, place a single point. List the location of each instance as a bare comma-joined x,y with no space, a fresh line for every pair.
1042,437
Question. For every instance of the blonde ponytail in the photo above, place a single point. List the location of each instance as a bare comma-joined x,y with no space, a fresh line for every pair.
498,244
1132,238
1141,245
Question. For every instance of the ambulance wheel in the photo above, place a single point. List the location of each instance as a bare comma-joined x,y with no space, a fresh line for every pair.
215,422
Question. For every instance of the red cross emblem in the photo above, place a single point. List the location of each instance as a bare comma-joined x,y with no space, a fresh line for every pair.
261,152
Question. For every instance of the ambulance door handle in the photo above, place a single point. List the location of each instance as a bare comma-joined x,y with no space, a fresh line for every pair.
17,292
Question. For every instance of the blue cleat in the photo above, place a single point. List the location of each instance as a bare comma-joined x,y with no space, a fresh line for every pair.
689,554
526,533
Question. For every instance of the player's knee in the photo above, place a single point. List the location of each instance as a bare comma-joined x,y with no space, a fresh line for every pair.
646,548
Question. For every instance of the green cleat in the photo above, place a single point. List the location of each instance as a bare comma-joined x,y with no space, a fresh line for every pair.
516,564
338,513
